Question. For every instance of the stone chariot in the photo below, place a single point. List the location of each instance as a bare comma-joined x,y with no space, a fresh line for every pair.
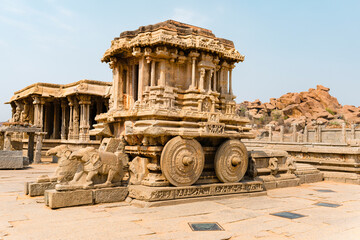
172,105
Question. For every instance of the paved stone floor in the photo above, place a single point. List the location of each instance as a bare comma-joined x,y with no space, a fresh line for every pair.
24,218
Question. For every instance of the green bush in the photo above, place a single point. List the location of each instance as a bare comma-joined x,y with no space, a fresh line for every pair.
330,111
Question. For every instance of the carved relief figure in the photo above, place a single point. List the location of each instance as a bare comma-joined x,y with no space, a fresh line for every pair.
66,168
273,165
94,162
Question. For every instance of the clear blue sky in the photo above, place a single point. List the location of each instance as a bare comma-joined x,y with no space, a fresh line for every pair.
288,45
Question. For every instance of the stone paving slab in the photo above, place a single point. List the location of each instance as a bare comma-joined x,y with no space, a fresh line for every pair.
22,217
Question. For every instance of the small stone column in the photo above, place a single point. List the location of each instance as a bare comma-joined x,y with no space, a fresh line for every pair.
152,77
70,129
210,77
142,66
75,122
193,56
202,79
38,111
318,133
63,119
55,134
306,134
7,141
224,78
84,117
353,136
343,132
216,62
230,79
293,138
270,132
281,133
38,147
162,79
30,151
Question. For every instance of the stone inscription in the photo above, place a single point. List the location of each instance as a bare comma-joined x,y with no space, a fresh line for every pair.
192,192
161,195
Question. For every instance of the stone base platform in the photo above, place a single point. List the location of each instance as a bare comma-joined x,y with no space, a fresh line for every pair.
280,181
59,199
308,173
34,189
344,177
156,196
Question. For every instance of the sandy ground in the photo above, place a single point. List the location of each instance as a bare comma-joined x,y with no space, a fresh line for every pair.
22,217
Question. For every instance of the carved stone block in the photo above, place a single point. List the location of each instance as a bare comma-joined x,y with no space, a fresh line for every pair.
37,189
56,199
151,194
108,195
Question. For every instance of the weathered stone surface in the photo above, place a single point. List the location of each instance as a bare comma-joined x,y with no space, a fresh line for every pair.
108,195
11,159
60,199
34,189
56,199
151,194
94,163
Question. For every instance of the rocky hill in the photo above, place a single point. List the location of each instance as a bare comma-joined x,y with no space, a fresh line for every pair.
315,106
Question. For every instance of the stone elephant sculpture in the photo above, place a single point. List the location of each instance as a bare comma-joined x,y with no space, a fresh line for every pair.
94,162
66,168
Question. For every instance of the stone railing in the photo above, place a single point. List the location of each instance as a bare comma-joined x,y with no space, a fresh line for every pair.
318,134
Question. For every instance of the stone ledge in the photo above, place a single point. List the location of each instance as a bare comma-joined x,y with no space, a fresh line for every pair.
59,199
153,194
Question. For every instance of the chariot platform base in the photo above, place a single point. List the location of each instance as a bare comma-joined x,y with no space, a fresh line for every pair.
145,196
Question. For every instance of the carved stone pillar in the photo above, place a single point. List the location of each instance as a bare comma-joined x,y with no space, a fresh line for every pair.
216,62
202,79
38,111
71,127
211,72
353,131
26,111
84,117
152,78
114,65
281,133
55,134
141,77
294,133
7,141
75,121
38,147
63,119
162,79
230,79
193,56
343,132
224,78
270,133
306,134
30,151
146,73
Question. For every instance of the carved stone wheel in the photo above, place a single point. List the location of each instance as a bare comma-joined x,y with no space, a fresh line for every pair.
231,161
182,161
